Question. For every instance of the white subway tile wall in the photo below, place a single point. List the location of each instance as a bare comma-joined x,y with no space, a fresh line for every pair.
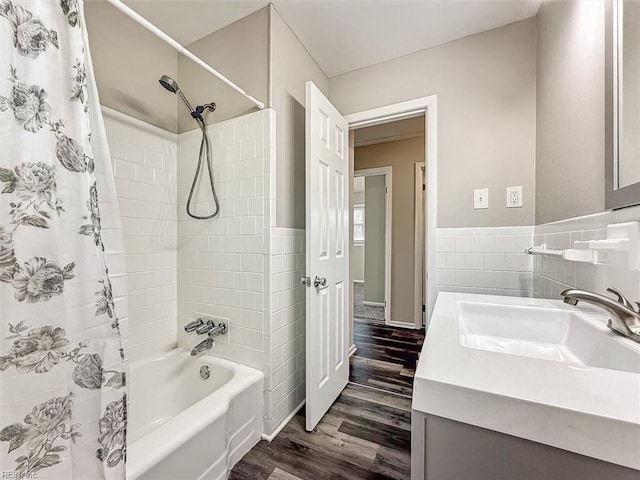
144,162
237,266
284,338
553,275
222,267
485,260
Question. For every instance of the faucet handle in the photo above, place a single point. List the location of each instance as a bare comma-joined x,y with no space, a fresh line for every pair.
621,298
193,325
207,327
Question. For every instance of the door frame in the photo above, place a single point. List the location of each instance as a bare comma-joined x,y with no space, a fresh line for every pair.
387,173
419,242
427,106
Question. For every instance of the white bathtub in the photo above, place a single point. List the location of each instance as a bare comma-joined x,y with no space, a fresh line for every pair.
183,427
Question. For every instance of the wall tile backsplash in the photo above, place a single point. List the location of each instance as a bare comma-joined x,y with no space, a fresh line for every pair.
485,260
491,260
285,340
553,275
144,162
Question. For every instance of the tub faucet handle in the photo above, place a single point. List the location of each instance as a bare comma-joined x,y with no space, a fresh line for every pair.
221,329
193,325
206,328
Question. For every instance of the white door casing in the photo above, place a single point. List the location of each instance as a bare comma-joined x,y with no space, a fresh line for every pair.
327,254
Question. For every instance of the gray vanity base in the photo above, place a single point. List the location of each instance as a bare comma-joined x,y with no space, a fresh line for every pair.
444,449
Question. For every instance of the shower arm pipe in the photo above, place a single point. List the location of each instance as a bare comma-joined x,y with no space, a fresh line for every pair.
166,38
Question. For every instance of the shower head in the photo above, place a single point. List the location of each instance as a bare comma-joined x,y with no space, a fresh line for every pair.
169,83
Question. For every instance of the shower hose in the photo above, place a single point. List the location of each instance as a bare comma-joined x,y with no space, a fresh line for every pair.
204,155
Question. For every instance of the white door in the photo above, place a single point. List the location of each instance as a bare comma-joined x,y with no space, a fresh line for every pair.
327,251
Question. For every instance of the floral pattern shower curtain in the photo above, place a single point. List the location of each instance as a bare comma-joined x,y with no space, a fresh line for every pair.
62,368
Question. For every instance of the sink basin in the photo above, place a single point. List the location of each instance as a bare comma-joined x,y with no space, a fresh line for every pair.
543,333
535,369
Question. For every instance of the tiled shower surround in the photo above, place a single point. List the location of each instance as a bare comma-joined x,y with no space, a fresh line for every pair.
221,262
144,164
553,275
238,266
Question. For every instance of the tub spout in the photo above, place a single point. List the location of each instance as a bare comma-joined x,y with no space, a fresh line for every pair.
206,344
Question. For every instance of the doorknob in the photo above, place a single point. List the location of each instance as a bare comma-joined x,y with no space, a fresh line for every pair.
319,282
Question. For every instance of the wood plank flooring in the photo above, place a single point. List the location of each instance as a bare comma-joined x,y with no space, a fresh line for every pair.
366,434
386,357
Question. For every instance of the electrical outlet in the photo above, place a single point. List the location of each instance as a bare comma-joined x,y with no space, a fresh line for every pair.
514,197
215,319
480,198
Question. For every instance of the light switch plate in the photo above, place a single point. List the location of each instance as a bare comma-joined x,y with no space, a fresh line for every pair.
514,197
480,198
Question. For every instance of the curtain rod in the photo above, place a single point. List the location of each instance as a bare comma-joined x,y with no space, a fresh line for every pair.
166,38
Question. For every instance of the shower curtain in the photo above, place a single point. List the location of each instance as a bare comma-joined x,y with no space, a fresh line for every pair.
62,367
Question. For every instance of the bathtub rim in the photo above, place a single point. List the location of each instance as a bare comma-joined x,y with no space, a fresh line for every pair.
159,443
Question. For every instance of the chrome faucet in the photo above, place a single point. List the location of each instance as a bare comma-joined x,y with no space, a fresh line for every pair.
211,330
206,344
625,318
206,327
194,325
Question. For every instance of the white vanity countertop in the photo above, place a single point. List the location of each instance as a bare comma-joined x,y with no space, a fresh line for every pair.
583,409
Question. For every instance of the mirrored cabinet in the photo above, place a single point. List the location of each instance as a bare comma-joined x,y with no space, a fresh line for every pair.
622,57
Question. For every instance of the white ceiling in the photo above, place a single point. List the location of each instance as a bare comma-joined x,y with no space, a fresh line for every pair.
344,35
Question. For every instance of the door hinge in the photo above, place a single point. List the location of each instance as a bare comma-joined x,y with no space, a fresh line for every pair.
424,308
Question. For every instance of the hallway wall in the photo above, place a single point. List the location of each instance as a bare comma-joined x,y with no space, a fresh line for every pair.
402,156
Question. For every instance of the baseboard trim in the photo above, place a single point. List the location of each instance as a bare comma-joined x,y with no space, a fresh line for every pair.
352,350
283,423
373,304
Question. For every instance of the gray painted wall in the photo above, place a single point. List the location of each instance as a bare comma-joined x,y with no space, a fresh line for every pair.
239,51
374,238
401,156
570,110
356,256
291,68
128,61
486,87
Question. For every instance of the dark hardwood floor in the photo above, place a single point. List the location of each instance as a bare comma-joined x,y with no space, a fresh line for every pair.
386,357
366,434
